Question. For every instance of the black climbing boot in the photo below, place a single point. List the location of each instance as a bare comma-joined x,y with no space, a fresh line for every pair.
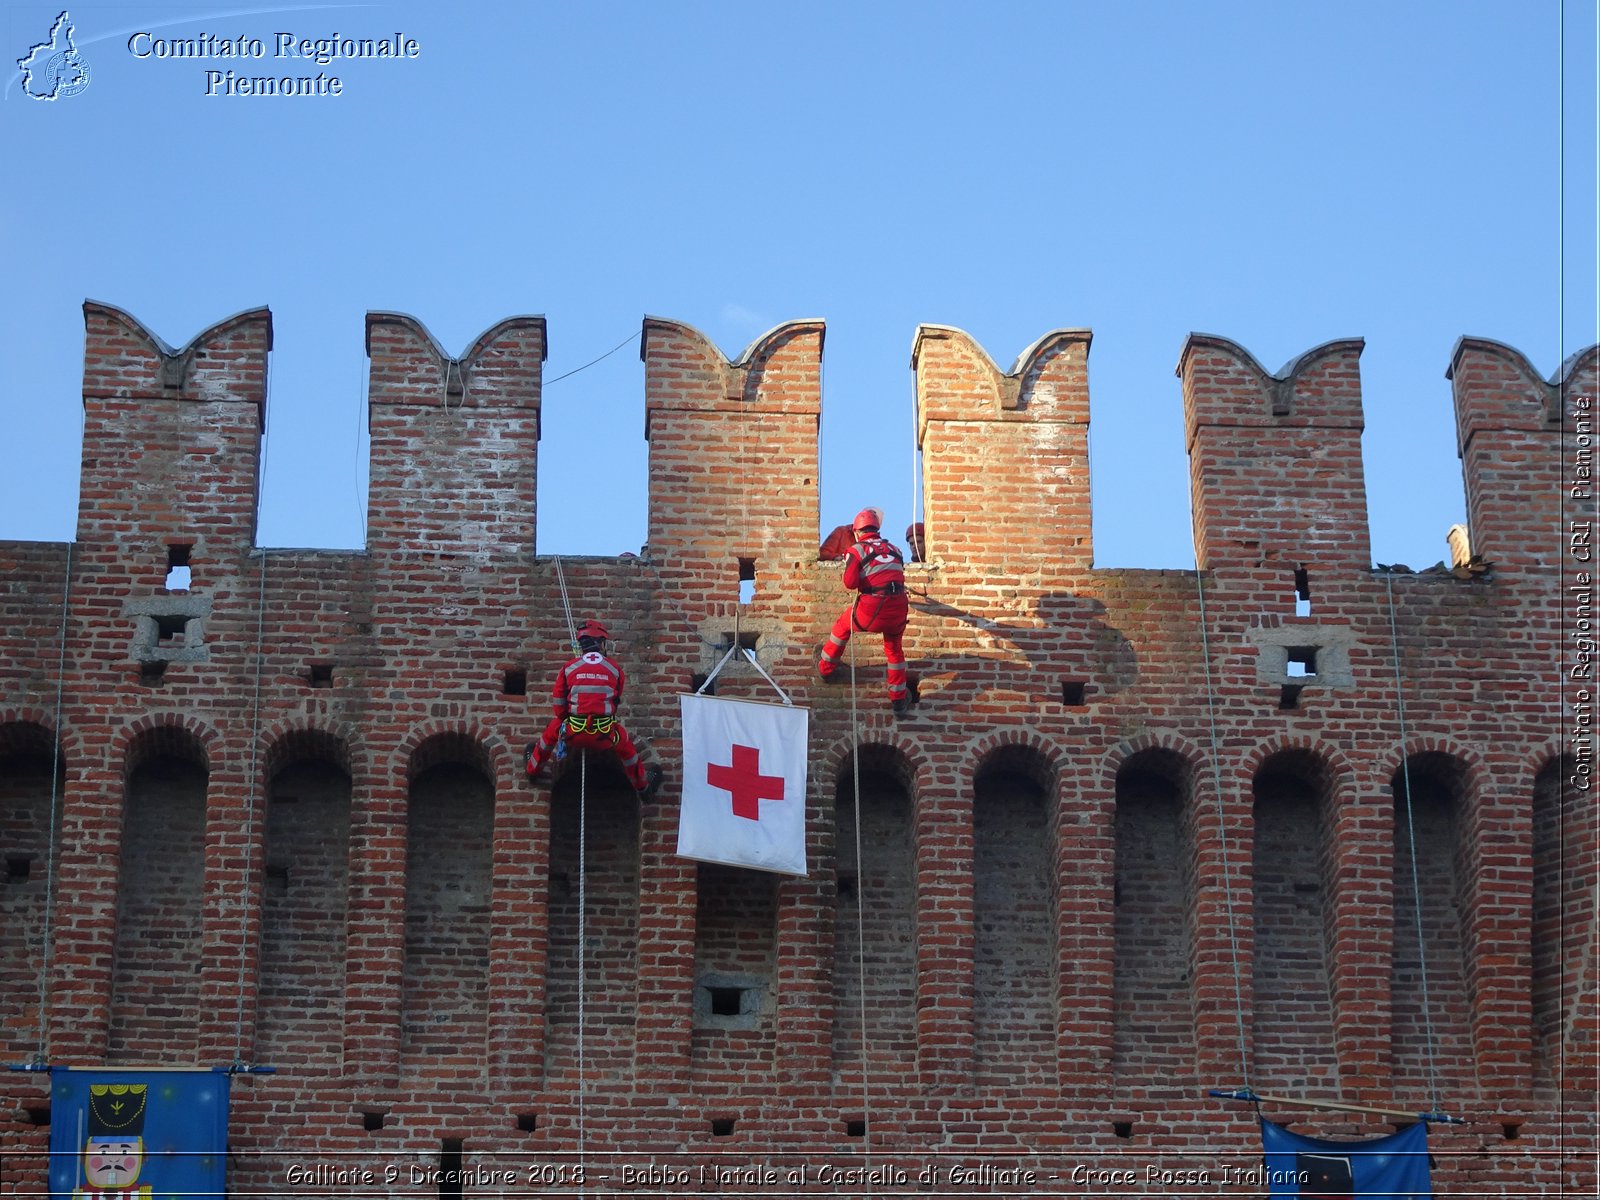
652,783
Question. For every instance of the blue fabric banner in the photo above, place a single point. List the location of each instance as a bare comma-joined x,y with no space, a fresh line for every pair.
137,1134
1387,1168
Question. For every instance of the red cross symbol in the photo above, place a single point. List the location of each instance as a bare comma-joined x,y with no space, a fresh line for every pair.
745,782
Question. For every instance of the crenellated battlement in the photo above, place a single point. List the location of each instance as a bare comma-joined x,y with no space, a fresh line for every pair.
1275,458
1286,818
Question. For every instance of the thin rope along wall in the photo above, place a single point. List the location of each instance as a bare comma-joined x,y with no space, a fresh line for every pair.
42,1056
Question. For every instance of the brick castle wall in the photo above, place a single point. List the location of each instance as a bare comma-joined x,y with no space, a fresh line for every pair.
1125,850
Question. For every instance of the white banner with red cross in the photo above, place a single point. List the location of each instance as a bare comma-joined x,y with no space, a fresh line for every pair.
744,784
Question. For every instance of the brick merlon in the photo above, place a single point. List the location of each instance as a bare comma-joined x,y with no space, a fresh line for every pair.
1475,361
971,385
260,313
475,349
172,366
778,333
1224,384
501,366
686,370
1285,374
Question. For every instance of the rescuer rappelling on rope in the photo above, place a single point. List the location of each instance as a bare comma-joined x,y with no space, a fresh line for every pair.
874,567
586,695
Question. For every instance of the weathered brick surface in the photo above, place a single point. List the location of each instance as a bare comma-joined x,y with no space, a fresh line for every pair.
1076,912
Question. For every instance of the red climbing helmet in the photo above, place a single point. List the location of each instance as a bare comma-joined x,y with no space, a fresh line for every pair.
867,518
592,633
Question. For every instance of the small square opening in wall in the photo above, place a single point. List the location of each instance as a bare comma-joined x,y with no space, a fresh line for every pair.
1074,693
747,580
170,631
1302,662
278,879
319,675
1289,696
528,1122
847,887
18,867
1123,1129
729,1002
38,1115
747,640
178,576
514,683
697,680
151,674
722,1126
855,1127
372,1119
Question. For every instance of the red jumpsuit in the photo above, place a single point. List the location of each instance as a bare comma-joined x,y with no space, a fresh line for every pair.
585,697
874,567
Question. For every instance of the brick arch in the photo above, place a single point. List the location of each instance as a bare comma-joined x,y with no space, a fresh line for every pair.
303,951
28,731
874,914
177,734
1539,760
435,742
1015,938
1023,751
32,791
1335,761
291,742
911,766
1153,884
1471,762
1291,855
1430,978
1156,742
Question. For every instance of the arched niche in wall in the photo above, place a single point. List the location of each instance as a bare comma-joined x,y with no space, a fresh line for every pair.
304,902
605,875
155,982
449,844
1565,853
875,936
1153,1001
1431,1038
31,780
1292,1021
1014,918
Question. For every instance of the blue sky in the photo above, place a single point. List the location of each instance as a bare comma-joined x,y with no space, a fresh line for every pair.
1279,174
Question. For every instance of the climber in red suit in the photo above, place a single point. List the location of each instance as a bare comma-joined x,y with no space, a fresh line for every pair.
874,567
586,694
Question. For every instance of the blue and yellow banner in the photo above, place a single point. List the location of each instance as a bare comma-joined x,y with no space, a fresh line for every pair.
138,1134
